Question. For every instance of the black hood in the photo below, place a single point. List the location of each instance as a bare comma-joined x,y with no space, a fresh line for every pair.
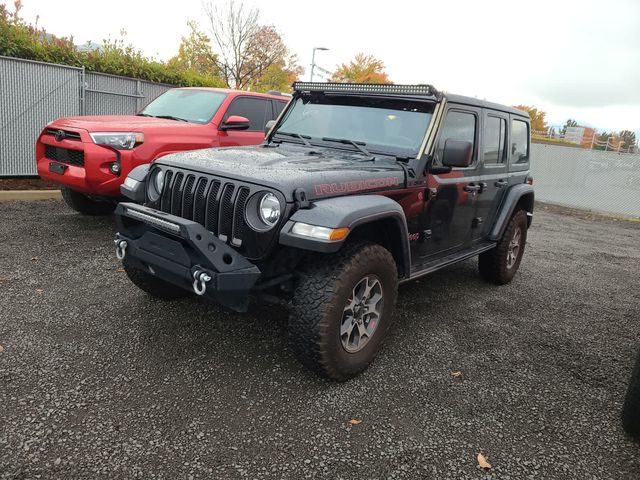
321,172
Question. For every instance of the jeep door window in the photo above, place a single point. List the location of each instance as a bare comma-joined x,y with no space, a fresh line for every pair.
191,105
493,139
255,109
385,126
519,142
457,126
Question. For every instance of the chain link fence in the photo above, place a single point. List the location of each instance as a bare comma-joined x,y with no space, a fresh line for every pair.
587,179
34,93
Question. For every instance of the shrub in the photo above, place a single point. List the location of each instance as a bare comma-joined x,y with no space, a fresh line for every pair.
21,40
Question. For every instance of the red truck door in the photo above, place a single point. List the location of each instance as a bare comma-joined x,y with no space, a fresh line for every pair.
257,110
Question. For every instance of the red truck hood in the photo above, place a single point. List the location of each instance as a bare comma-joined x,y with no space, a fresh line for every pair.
119,123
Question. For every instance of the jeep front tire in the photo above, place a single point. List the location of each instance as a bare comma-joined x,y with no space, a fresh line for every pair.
500,264
86,205
151,284
342,310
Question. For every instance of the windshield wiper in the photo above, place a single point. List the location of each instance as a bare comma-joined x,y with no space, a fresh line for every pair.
170,117
143,115
296,135
346,141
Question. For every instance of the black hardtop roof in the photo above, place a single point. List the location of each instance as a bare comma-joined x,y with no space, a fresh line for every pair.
412,91
475,102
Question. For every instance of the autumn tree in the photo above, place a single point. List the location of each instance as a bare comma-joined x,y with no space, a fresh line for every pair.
195,53
629,139
538,122
362,69
250,55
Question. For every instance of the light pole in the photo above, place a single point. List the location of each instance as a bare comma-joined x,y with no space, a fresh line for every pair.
313,60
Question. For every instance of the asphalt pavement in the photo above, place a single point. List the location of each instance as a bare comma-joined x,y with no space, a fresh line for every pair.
98,380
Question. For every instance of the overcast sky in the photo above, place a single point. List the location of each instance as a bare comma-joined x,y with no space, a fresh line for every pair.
578,59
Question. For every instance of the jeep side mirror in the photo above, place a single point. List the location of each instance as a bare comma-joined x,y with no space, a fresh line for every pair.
457,153
268,127
235,122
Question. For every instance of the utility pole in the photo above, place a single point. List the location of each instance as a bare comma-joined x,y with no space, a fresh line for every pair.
313,60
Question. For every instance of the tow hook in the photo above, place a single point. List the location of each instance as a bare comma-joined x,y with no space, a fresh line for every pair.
200,280
121,247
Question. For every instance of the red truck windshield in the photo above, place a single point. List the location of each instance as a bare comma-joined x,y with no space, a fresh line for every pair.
197,106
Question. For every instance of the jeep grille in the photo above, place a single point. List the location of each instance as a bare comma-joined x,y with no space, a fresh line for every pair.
216,203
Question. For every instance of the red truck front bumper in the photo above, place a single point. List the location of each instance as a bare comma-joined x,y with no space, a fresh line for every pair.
79,164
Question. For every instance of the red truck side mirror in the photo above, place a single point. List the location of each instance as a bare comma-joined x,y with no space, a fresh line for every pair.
235,122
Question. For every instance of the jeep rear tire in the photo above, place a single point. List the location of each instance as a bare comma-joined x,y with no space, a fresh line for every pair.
631,407
500,264
151,284
86,205
342,310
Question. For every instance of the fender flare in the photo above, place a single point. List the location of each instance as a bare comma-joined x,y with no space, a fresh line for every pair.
513,196
350,211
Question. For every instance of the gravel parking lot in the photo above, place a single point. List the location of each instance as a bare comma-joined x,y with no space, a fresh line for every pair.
97,380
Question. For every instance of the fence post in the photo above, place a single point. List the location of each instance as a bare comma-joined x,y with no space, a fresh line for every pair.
138,93
83,87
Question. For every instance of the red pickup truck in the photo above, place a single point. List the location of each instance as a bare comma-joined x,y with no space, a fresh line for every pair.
91,156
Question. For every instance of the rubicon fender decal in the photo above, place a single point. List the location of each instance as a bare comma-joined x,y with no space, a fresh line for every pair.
355,186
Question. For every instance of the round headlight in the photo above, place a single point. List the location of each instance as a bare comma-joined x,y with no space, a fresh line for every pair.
158,181
156,185
269,209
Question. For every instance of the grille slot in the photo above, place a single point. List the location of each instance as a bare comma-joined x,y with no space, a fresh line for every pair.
199,202
239,223
176,195
165,202
187,202
226,212
211,223
64,155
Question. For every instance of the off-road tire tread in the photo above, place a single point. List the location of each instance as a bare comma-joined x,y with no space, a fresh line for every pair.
154,286
631,407
320,279
493,264
87,206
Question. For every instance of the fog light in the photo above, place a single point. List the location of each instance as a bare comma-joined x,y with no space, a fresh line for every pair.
115,168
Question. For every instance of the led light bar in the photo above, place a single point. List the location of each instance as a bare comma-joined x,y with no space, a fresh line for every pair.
151,220
379,88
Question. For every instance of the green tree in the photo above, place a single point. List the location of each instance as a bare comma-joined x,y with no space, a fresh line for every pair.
195,53
362,69
629,139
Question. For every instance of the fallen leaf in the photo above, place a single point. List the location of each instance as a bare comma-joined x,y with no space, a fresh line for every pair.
456,374
355,421
2,279
120,270
33,259
39,290
482,462
1,349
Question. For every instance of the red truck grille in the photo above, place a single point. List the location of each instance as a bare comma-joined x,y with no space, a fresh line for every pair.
64,155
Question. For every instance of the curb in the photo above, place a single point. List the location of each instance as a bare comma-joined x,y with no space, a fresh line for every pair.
29,195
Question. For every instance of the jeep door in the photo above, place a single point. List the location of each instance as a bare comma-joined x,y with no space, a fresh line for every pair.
493,170
452,199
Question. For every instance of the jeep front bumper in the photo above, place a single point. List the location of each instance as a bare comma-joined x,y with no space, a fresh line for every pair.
185,254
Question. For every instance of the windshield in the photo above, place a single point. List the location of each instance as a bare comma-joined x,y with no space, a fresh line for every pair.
198,106
391,126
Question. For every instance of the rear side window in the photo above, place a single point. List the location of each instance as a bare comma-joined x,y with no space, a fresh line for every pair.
494,139
255,109
519,142
457,126
278,107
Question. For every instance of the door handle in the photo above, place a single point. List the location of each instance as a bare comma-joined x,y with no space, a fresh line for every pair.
472,188
501,183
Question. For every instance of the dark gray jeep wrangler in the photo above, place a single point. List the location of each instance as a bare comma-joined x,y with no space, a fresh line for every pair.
357,188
